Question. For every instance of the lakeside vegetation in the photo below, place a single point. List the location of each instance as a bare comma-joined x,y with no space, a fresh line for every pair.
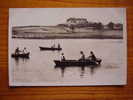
58,32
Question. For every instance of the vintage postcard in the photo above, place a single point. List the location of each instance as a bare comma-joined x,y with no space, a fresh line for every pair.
67,46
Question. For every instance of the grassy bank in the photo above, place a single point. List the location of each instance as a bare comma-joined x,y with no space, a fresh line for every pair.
57,32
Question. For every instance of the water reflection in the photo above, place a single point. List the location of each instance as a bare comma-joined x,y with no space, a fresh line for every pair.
83,70
19,60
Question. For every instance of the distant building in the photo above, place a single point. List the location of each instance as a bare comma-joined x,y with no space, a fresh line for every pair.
76,21
73,22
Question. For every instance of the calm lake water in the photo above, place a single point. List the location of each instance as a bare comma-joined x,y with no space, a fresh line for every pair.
40,68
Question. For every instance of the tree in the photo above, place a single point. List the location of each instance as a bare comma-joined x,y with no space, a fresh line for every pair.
110,25
99,26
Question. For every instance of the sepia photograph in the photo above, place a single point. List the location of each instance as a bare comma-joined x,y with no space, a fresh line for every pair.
67,46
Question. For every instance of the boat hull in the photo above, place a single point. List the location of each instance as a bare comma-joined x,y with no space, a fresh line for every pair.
76,62
26,55
47,48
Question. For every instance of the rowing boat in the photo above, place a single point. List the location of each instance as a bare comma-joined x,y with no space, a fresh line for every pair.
77,62
22,55
50,48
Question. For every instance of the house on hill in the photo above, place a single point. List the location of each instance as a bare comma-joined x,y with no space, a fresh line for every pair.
79,22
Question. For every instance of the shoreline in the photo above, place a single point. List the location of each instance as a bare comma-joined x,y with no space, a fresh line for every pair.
67,38
63,33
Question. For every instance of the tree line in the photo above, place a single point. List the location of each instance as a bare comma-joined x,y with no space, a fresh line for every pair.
96,26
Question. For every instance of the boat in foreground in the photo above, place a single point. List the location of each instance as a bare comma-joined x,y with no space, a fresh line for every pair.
77,62
22,55
50,48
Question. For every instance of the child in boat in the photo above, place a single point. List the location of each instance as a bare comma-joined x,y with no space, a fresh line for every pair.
82,55
63,57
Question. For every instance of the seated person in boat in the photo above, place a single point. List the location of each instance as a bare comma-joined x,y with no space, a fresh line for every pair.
63,57
92,56
17,51
82,56
53,46
58,45
24,50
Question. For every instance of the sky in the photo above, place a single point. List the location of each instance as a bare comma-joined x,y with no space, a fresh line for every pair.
54,16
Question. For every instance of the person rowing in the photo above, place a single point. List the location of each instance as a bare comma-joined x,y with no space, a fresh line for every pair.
63,57
17,51
24,50
92,56
59,46
82,56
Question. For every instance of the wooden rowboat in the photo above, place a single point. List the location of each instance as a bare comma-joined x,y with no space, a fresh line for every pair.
22,55
77,62
50,48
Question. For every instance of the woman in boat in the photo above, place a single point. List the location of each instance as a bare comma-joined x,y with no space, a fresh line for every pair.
82,55
92,56
63,57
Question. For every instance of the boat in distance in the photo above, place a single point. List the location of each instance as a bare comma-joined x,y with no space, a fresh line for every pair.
21,55
77,62
50,48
